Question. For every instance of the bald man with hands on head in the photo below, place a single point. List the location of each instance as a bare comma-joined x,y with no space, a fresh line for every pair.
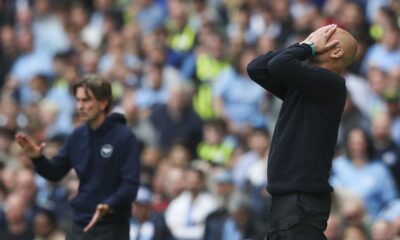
305,135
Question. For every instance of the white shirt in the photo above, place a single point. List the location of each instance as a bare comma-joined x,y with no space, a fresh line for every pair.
186,218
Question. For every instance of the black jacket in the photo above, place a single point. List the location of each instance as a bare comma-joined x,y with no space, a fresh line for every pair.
306,131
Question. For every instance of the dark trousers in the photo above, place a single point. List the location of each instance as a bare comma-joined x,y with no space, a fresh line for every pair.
298,216
102,231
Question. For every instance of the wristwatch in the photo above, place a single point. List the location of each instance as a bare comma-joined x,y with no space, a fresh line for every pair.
312,46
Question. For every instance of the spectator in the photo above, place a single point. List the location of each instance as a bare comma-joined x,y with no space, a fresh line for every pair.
179,155
45,226
202,13
182,37
154,89
355,232
241,110
142,127
6,136
382,230
240,25
187,213
149,14
385,148
304,13
47,27
207,65
145,224
31,61
386,54
17,227
228,199
25,186
89,60
375,184
115,56
363,96
215,148
8,51
240,225
168,184
352,117
176,119
258,143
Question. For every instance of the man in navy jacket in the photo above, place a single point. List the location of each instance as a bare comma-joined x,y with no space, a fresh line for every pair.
105,155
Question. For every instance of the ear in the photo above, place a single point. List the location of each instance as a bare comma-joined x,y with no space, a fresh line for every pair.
103,104
336,53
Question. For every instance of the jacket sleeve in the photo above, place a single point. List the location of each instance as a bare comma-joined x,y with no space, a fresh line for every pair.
53,170
129,170
315,83
259,73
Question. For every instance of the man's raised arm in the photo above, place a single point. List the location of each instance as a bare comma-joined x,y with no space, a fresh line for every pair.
53,170
259,72
314,83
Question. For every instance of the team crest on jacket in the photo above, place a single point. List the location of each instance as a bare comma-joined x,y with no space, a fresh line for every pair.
106,150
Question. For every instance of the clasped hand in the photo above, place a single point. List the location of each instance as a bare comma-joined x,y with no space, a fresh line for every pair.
321,38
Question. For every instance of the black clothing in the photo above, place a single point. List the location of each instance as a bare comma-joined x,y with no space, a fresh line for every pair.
6,62
26,235
390,156
306,132
186,127
102,231
299,216
215,224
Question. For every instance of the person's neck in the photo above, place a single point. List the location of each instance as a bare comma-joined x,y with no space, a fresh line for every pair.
261,153
359,161
95,123
175,113
331,67
381,142
17,228
144,218
194,194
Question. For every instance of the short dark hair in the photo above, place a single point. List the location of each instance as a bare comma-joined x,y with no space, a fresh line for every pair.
370,150
99,86
200,174
218,124
262,131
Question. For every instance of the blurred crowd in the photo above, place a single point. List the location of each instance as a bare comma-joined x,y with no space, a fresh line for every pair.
178,71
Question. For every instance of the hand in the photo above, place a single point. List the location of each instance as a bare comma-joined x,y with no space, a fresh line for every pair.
101,210
320,38
28,145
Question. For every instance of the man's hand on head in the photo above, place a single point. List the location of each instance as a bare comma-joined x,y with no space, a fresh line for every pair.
321,39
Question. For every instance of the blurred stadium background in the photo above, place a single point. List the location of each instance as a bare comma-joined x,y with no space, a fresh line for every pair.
178,70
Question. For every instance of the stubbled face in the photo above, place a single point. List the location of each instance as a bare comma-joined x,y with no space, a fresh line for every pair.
89,108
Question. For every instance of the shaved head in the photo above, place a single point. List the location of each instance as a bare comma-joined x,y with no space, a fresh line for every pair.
348,44
341,55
